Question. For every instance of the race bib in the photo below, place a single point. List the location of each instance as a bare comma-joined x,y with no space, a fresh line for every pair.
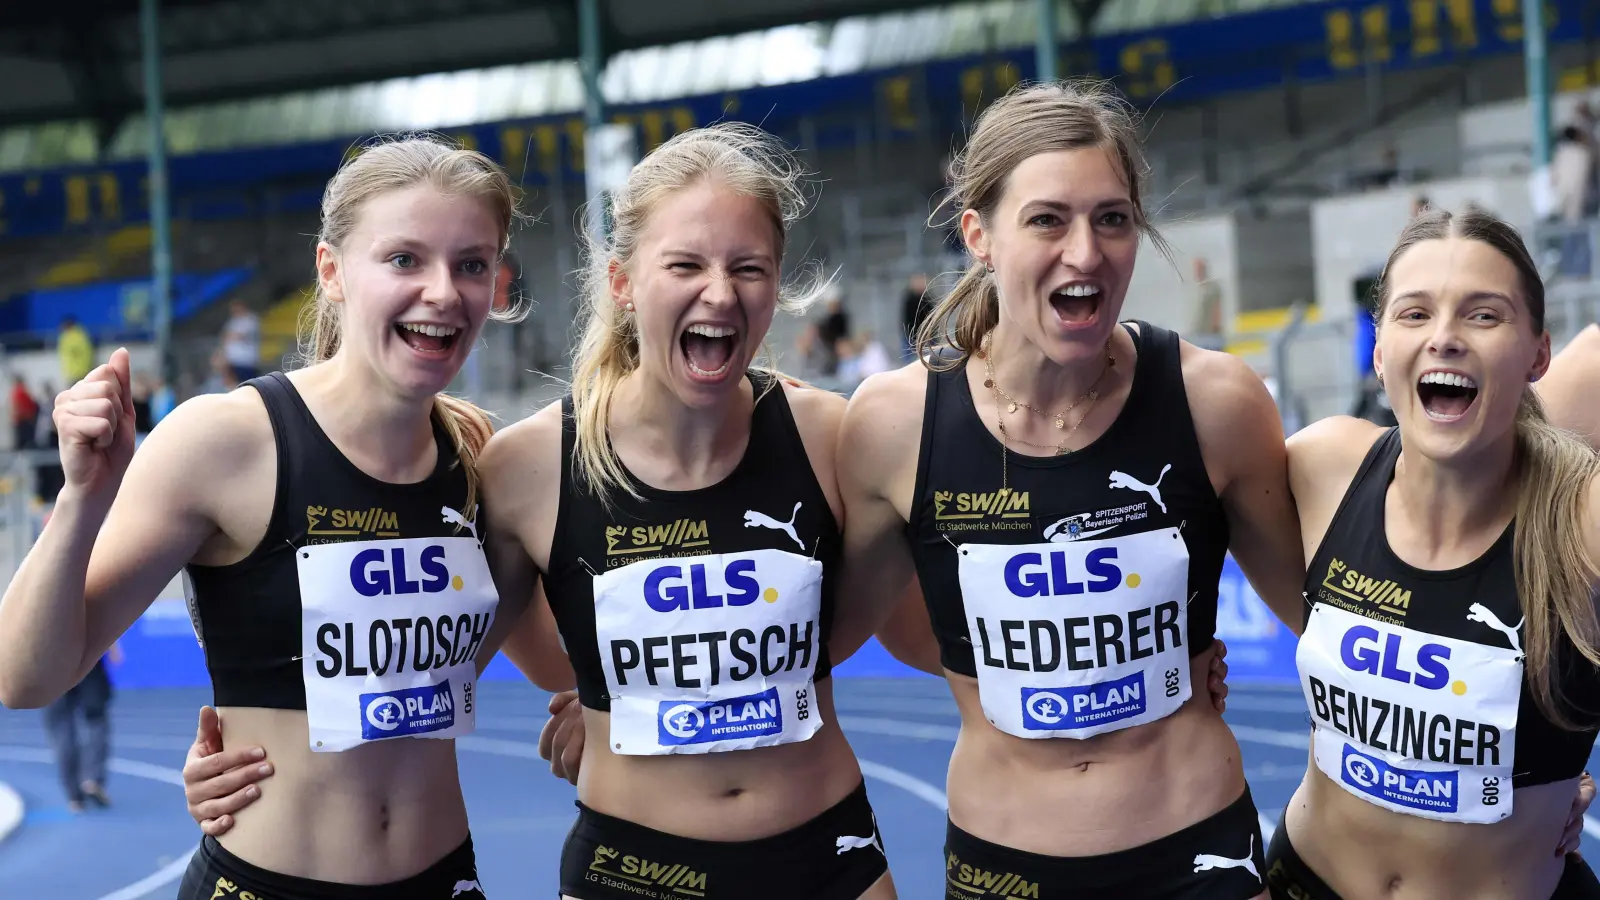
1078,638
1412,722
389,635
710,653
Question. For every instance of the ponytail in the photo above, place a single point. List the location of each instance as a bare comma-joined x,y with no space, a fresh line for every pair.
960,319
1555,575
469,428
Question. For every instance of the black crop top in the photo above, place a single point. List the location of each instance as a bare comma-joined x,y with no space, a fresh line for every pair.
247,615
1379,657
1145,473
771,500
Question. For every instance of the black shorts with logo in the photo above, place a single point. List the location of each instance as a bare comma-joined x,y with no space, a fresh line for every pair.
836,856
1219,858
216,874
1289,878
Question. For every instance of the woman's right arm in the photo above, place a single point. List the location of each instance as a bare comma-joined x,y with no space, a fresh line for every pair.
123,525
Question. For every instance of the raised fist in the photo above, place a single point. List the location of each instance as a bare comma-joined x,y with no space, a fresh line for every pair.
94,419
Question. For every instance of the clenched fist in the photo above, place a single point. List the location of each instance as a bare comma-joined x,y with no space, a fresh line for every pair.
94,419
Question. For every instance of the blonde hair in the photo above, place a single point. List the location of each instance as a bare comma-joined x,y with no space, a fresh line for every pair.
740,157
1555,575
391,165
1030,120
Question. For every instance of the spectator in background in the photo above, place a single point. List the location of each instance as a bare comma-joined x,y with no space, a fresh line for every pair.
48,477
222,378
914,308
819,343
241,342
81,755
24,414
1572,170
1206,328
75,349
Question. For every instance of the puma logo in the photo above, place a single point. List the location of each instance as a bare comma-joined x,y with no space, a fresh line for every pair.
463,886
451,517
314,516
848,842
1205,862
753,519
1477,612
1124,480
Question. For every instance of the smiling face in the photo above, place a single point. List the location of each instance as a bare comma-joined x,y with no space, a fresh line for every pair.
1457,345
415,280
703,281
1062,241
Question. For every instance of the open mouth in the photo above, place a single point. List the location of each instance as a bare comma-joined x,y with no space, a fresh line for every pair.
431,340
709,350
1076,304
1446,396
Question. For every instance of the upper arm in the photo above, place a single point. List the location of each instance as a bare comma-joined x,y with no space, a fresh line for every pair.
519,471
1568,388
1241,439
881,428
167,507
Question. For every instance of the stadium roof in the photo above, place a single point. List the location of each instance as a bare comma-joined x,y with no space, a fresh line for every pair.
62,59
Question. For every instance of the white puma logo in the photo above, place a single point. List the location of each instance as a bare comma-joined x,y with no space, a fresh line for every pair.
1477,612
1205,862
1124,480
451,517
463,886
847,842
753,519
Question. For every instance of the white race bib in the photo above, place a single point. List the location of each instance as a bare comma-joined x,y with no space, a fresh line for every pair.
710,653
1079,638
389,635
1410,721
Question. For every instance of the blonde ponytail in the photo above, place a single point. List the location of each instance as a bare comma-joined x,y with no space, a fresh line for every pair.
469,428
1555,575
960,319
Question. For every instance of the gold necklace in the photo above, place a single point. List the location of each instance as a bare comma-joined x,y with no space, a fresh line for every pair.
1058,419
1061,449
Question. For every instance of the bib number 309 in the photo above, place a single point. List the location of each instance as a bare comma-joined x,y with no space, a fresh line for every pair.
1491,791
1172,683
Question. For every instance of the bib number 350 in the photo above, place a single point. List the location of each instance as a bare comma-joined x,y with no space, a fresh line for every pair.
1172,683
1491,791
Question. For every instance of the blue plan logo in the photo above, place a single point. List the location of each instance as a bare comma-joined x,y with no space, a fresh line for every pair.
407,712
1372,776
683,723
1064,709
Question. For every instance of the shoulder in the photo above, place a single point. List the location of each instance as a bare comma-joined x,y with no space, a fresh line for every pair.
1219,383
1324,456
204,444
1568,388
522,462
817,414
888,406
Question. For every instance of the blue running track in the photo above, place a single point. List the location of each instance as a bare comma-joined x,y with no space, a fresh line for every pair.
902,729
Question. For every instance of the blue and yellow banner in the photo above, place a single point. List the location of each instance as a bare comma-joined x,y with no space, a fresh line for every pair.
1179,63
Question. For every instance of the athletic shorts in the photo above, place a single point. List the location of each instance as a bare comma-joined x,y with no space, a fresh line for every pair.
1289,878
836,856
1220,858
215,873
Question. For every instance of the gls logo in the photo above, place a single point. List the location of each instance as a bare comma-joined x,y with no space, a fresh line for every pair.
1360,652
372,576
665,591
1025,576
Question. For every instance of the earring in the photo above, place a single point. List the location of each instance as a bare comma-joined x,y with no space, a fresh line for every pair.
629,306
1380,379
